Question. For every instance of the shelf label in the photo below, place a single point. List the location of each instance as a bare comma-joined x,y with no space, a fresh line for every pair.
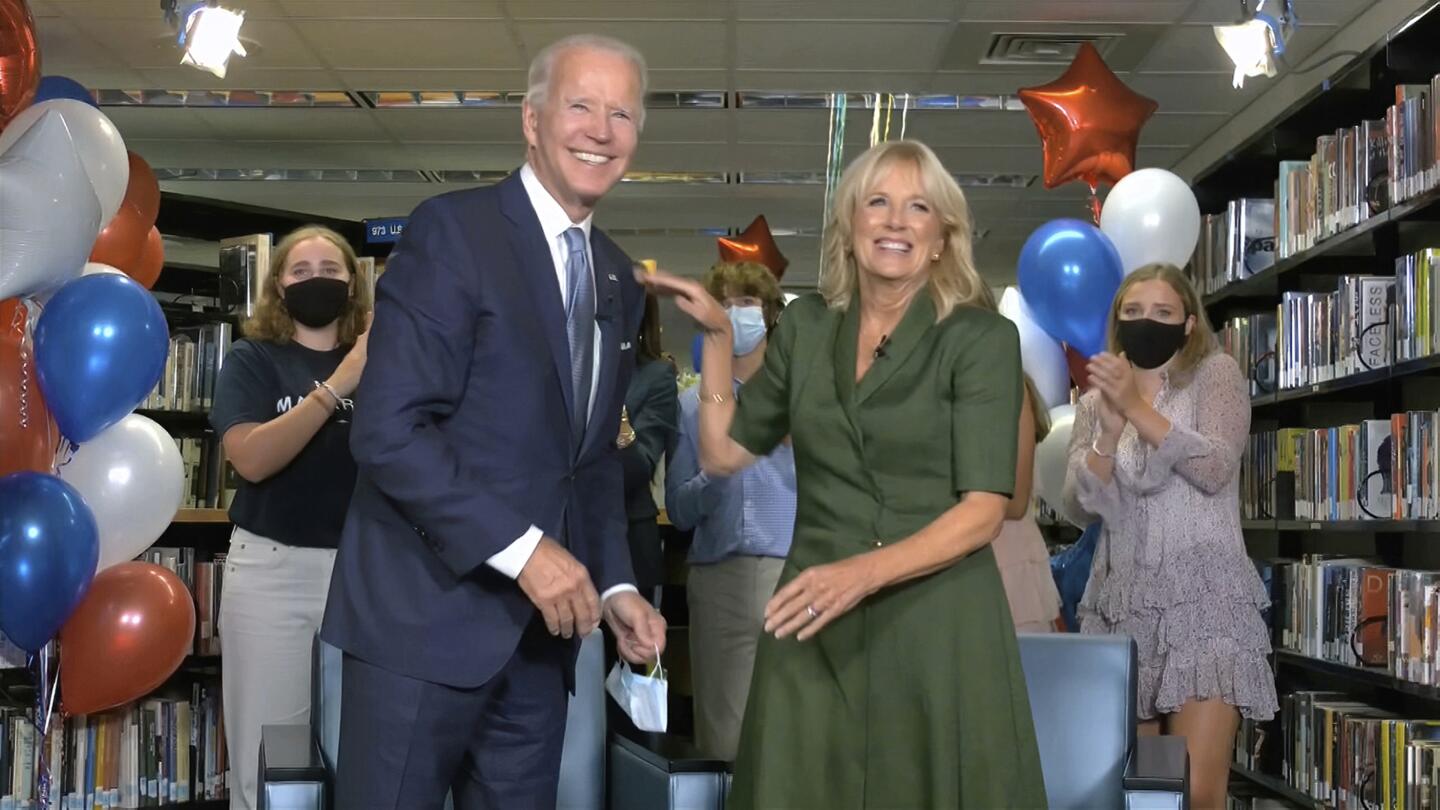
384,231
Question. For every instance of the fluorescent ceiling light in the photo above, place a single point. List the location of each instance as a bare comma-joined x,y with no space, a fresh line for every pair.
210,35
297,175
921,101
502,99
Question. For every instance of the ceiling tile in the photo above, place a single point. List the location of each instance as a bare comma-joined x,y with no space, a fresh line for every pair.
213,154
136,123
1193,48
148,42
1311,12
1075,11
665,45
242,76
410,44
768,10
1195,92
391,10
887,46
295,125
431,79
617,10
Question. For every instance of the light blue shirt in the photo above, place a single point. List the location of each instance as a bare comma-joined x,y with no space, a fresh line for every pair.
751,513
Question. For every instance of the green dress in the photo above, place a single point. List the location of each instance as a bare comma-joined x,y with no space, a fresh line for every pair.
914,699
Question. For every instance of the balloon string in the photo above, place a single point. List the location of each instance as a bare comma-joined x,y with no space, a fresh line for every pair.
904,116
1094,203
17,327
875,121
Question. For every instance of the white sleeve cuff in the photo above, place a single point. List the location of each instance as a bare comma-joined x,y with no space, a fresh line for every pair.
513,559
614,589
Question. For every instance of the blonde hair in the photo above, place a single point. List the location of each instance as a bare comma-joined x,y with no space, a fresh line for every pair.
1201,342
273,322
954,280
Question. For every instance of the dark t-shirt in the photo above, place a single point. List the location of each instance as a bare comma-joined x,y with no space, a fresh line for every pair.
304,503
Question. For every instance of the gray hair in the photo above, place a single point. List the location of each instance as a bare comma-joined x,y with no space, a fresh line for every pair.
544,64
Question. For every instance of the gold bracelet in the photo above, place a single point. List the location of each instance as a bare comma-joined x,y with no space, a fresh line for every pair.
718,399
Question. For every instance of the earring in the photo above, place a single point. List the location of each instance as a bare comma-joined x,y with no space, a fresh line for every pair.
934,257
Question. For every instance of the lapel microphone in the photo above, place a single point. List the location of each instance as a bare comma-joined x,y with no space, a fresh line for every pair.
880,347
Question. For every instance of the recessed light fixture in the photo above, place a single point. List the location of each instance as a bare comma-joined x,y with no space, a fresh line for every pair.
209,33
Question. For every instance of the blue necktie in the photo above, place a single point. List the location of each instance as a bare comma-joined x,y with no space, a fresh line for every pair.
579,328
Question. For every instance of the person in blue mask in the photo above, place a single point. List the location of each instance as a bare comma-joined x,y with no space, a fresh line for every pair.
742,524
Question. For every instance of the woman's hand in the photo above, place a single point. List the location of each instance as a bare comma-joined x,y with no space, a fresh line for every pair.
690,296
347,375
820,595
1112,421
1116,380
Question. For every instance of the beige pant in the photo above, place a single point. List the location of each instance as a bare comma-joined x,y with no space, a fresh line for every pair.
727,614
270,608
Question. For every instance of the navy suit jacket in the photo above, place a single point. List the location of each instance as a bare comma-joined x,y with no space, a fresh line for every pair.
462,438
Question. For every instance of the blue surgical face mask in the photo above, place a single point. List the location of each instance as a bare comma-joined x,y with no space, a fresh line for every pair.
748,326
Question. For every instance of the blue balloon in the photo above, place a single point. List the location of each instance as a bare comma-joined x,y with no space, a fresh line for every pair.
49,547
100,347
53,87
695,350
1069,272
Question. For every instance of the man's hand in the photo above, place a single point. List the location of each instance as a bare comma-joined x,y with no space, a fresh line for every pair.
560,587
639,629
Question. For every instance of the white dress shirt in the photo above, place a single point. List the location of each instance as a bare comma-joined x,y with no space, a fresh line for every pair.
554,222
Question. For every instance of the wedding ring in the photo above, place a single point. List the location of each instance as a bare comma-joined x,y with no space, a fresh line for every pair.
811,610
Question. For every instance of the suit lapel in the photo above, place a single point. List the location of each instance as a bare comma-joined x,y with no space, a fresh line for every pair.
906,337
537,268
610,323
846,336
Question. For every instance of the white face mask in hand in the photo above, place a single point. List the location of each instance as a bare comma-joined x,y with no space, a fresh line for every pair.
644,698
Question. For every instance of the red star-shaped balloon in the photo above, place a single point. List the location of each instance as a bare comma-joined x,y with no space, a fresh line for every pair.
1089,122
754,244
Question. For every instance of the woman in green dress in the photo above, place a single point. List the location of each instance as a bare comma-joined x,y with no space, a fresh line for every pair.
888,675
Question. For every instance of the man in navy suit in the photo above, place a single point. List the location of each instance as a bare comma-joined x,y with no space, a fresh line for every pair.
488,509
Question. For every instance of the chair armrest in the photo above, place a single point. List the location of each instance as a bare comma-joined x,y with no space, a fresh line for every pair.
290,754
1158,764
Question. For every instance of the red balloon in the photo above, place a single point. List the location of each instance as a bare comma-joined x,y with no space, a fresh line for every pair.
755,244
121,242
1077,364
152,260
1089,122
143,191
129,634
28,435
19,59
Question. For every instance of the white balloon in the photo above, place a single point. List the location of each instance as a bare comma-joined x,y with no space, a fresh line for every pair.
1152,216
1040,354
48,211
131,477
1052,457
97,141
96,268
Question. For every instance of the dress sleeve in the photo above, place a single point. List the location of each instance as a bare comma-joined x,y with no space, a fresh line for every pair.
1086,497
985,415
762,415
1208,455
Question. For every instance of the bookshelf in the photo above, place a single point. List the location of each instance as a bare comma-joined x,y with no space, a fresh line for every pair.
1318,163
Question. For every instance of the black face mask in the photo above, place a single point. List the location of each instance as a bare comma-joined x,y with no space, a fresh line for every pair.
1150,344
317,302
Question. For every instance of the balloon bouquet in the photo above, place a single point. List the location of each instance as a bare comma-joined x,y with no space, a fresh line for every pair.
85,484
1069,270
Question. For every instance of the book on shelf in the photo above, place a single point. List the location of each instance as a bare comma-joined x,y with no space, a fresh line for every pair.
156,751
1251,340
1359,613
210,480
1351,755
191,368
205,579
1235,245
1377,469
1325,336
